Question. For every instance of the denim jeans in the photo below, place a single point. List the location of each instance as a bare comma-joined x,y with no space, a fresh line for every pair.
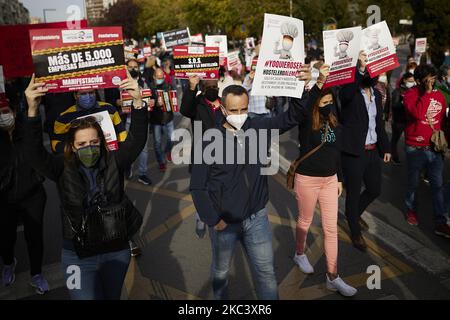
255,236
433,162
142,160
102,276
158,131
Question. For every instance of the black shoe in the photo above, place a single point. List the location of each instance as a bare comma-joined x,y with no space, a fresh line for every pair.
200,229
145,180
359,243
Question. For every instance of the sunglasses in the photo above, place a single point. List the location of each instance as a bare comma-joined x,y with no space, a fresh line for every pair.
82,121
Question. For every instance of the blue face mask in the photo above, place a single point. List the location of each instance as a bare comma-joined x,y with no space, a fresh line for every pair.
159,82
87,101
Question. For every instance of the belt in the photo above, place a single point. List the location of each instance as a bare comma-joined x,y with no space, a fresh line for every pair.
370,147
420,147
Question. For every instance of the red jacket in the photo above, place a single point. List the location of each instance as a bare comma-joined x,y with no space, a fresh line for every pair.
418,132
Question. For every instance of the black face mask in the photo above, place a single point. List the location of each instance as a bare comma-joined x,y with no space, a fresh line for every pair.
134,73
325,110
367,81
211,94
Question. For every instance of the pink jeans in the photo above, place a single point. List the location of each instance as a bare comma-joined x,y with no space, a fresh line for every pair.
325,189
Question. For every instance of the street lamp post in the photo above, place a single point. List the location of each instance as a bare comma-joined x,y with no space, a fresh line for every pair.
45,11
290,7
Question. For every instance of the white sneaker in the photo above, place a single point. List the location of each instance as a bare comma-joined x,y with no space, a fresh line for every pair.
303,263
339,285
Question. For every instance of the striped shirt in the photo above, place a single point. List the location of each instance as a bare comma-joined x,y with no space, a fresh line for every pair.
62,123
256,104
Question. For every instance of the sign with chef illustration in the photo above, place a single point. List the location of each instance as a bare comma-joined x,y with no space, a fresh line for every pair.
280,57
341,50
378,45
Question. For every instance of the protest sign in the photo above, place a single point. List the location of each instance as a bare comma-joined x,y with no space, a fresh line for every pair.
105,122
377,43
167,100
234,62
174,38
221,42
250,43
421,45
130,52
278,66
69,60
197,38
15,53
127,100
201,61
147,51
341,51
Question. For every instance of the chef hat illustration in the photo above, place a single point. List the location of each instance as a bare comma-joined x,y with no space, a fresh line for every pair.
344,36
289,29
372,33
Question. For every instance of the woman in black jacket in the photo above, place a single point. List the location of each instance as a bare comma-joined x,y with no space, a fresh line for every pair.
22,196
318,178
97,217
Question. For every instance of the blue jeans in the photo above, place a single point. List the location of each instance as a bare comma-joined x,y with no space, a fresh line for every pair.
255,236
143,156
158,131
433,162
101,276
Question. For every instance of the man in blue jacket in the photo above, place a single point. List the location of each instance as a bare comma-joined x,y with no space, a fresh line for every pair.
231,194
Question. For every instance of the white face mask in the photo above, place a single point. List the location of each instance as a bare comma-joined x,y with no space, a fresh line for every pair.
6,120
382,79
237,120
411,71
410,84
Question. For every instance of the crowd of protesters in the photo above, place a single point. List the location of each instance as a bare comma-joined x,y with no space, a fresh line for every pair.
343,145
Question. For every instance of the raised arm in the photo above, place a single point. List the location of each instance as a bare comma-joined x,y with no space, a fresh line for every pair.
132,147
348,91
188,103
43,162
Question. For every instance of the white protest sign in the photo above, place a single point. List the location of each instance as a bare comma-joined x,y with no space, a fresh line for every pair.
104,119
378,45
341,51
421,45
282,54
221,42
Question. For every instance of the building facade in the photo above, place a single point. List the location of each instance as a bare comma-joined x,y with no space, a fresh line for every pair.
13,12
94,10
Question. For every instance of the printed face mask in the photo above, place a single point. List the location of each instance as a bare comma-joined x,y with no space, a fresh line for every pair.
89,155
287,44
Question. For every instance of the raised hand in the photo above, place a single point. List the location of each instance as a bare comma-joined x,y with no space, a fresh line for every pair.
193,82
324,71
34,94
132,86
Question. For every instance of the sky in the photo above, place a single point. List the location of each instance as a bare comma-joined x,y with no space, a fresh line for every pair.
36,8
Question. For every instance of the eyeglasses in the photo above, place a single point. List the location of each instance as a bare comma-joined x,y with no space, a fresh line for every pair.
82,121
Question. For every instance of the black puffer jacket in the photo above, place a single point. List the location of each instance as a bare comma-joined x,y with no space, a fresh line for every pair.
73,184
18,179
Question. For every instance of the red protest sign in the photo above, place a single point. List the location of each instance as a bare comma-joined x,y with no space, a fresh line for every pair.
70,60
200,61
167,100
15,55
127,100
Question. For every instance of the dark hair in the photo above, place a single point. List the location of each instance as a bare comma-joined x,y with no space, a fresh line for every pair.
129,60
70,137
443,70
235,90
423,71
407,75
317,119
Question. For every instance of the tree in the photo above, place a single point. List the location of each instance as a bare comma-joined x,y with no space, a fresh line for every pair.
123,13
